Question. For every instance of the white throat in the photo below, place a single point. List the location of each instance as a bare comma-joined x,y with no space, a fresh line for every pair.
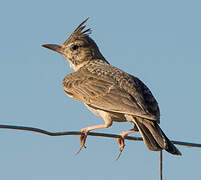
77,67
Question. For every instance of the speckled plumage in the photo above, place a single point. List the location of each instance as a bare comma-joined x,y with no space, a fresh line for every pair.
110,92
108,88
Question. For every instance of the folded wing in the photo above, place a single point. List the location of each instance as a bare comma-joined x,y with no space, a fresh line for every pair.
105,93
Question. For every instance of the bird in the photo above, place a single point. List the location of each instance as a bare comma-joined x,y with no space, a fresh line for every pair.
110,93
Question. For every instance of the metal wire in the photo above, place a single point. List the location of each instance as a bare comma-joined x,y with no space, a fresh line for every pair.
65,133
160,165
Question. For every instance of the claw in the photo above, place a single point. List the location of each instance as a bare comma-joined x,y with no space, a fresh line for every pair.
121,143
83,138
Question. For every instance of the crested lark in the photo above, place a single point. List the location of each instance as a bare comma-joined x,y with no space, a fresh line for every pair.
110,92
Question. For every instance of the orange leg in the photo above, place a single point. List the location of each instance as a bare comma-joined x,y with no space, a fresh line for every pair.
86,130
120,140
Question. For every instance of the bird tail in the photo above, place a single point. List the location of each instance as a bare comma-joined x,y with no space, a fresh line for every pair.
154,137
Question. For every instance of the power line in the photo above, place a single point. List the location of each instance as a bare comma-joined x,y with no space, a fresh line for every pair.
67,133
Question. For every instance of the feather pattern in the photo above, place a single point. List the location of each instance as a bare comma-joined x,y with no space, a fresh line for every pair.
94,87
77,33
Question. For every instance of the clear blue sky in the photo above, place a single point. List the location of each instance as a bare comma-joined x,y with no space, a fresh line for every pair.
157,41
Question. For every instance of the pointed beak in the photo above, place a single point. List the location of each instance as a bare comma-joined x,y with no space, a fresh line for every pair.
53,47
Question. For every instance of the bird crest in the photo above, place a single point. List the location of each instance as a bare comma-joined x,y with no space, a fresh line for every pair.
78,33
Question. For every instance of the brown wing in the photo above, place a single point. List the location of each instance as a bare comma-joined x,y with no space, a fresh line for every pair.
149,101
103,92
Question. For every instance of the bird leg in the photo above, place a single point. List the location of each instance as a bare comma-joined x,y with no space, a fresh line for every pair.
86,130
82,139
120,140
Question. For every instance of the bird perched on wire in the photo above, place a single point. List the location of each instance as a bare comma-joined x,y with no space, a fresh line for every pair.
110,93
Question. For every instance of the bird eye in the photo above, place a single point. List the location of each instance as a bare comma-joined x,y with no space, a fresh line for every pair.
74,47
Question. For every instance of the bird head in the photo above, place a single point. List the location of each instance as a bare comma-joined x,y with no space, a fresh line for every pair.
79,49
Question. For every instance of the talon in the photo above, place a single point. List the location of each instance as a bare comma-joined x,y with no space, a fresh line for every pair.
82,139
121,143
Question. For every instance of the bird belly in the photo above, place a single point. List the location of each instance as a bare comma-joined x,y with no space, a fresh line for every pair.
117,117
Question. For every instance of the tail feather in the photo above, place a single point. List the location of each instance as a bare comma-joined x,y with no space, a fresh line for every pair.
154,137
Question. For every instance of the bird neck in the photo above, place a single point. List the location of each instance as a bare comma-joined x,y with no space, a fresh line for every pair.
95,55
85,63
78,66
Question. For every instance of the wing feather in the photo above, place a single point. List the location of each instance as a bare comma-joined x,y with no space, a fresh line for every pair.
102,93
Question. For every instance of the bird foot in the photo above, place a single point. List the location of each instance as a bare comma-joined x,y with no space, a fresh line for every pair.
121,143
82,139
